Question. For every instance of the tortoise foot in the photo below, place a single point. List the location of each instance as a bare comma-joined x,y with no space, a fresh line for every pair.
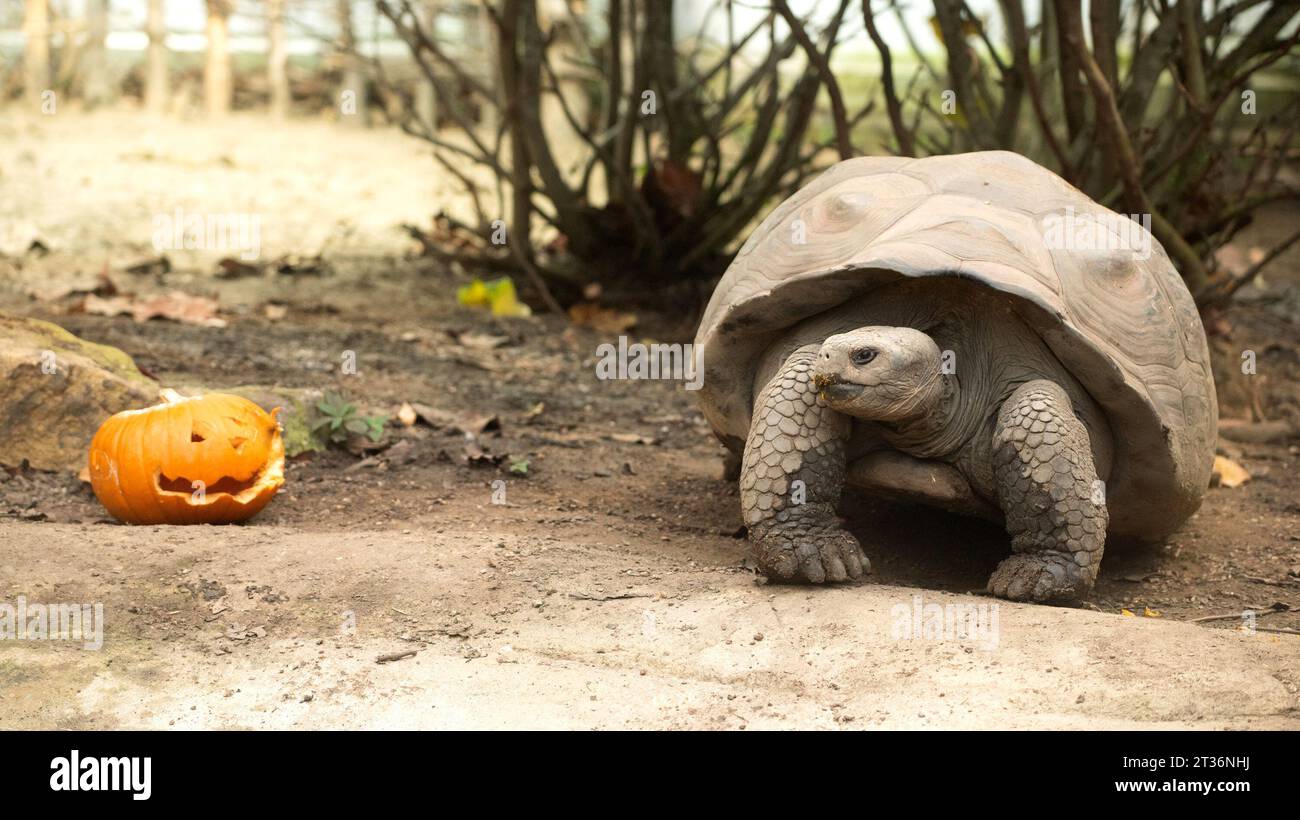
1039,576
799,552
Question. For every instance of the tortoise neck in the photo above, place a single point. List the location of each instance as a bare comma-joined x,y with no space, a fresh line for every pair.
927,431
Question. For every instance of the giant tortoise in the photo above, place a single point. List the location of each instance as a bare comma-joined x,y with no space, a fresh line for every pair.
925,329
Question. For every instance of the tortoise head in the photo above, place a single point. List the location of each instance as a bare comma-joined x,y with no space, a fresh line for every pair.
888,374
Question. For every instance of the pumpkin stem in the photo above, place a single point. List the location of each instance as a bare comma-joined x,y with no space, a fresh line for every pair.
170,396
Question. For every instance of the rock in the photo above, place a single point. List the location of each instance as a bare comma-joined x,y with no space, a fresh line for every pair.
58,389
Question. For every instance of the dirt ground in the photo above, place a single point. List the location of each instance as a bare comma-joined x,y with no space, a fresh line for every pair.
611,588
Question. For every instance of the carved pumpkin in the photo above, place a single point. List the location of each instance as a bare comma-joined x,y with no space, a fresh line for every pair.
205,460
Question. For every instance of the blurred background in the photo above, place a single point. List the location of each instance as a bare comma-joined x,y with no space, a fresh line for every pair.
625,142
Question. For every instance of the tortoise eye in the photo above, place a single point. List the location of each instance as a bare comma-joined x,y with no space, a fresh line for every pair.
863,355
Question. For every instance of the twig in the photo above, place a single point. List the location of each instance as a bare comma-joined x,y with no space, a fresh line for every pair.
1221,288
535,276
1259,612
839,114
1111,127
587,596
906,146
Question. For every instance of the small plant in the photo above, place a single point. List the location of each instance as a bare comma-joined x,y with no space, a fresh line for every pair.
340,420
519,467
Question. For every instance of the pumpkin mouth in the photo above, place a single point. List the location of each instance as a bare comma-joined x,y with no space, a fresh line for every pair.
227,485
242,491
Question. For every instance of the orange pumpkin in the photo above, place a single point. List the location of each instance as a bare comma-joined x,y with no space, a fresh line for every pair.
210,459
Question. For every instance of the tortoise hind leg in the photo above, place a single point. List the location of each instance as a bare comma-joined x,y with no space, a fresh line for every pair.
1049,492
791,480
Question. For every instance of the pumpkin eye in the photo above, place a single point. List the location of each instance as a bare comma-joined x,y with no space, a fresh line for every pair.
195,437
863,355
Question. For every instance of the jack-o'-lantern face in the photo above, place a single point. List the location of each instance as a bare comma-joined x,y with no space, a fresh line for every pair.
204,460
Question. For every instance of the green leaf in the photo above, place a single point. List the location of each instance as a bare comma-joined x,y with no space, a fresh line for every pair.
358,426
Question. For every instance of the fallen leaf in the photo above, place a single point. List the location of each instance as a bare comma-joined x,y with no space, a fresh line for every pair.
474,425
631,438
1229,473
157,266
606,320
476,456
99,306
1127,614
100,285
179,307
232,268
432,416
175,305
1148,612
295,265
672,186
403,452
480,341
498,296
406,415
359,445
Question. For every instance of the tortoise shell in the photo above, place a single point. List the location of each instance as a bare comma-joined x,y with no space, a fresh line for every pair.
1122,322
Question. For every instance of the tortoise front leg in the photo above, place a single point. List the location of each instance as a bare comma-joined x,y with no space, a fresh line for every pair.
1049,492
791,477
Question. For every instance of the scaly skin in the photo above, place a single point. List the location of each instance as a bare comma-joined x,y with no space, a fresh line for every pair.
1048,489
793,438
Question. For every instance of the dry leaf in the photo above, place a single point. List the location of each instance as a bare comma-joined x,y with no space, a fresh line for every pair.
157,266
606,320
1228,473
474,425
296,265
174,305
232,268
179,307
480,341
100,285
406,415
431,415
476,456
631,438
